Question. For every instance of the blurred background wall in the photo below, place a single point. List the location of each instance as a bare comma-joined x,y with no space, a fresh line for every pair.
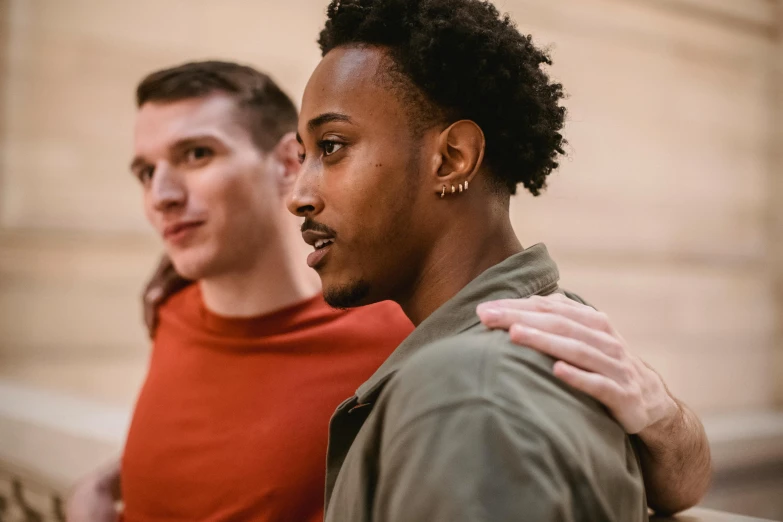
667,213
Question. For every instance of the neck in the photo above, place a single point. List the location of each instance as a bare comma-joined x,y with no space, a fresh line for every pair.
278,277
470,246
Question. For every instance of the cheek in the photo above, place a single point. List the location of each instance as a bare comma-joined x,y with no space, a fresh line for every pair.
371,188
216,188
233,200
380,214
149,209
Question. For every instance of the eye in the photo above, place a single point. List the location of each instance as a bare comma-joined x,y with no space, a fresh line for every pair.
330,147
145,174
195,154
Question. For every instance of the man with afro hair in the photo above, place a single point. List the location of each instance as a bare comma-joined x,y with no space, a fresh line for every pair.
416,128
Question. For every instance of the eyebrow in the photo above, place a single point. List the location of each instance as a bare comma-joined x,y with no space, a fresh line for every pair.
137,163
327,117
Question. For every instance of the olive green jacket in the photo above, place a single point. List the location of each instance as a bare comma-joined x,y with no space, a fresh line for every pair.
459,424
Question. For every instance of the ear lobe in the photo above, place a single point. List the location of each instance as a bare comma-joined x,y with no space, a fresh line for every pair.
461,147
286,153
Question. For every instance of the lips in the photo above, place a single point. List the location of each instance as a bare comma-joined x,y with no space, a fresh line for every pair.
321,241
317,238
178,231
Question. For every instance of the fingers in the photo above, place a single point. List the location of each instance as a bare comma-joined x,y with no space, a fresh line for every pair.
568,349
623,403
601,388
552,304
592,356
553,323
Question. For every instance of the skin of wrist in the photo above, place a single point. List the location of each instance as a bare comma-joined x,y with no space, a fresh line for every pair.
661,432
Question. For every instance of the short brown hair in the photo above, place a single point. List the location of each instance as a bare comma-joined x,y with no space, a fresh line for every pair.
271,113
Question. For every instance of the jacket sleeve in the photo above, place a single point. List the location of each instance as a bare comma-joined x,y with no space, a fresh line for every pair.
474,462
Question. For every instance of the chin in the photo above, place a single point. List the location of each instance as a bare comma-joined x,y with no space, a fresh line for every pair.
347,295
191,265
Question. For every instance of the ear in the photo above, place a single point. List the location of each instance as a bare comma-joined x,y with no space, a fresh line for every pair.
286,154
461,153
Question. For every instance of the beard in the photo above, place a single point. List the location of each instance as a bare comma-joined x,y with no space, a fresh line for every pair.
349,295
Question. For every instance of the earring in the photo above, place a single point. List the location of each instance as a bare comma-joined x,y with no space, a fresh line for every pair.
443,192
453,190
460,187
466,184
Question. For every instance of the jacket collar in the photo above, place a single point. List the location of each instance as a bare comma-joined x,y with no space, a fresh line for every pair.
527,273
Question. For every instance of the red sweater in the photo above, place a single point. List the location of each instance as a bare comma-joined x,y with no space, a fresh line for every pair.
231,423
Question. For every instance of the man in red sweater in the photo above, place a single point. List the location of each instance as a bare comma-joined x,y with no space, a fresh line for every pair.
249,363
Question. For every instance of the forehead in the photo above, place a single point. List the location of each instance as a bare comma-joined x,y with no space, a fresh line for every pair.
160,124
351,81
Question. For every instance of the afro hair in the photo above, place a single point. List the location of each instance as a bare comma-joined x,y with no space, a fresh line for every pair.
468,62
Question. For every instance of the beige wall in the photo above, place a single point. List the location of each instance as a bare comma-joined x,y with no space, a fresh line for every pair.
776,197
663,215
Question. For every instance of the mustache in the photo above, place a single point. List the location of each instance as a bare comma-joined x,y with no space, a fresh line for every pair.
310,224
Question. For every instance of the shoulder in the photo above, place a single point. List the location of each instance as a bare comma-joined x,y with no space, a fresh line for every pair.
475,364
481,366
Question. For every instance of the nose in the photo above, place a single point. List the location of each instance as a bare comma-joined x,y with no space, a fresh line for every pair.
305,199
167,191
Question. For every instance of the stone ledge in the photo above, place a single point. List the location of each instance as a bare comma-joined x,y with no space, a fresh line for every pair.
707,515
742,440
54,438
